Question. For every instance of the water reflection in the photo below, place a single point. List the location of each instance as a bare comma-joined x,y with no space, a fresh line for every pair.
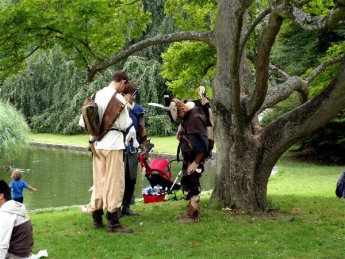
63,177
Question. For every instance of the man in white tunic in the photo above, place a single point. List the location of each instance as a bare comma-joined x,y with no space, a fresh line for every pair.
108,165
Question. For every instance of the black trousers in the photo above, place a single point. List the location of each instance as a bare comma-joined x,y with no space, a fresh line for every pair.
20,199
129,188
191,183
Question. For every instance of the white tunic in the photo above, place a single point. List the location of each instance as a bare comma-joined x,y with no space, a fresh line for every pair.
114,139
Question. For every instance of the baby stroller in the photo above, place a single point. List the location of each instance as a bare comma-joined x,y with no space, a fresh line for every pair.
158,173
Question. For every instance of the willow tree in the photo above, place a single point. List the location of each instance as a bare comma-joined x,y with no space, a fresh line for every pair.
246,153
14,132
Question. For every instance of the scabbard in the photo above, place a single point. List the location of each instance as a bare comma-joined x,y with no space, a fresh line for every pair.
93,150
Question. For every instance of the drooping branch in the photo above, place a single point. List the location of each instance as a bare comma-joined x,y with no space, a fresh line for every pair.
31,52
173,37
84,59
318,70
60,35
306,21
255,100
26,56
4,40
87,46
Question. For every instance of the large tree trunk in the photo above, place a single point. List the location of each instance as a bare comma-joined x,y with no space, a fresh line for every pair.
242,177
238,148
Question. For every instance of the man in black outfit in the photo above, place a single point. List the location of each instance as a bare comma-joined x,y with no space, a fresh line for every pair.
193,138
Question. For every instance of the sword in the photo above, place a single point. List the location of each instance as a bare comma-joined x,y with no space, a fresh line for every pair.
159,106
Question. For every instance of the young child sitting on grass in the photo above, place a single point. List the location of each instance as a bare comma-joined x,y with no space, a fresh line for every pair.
18,185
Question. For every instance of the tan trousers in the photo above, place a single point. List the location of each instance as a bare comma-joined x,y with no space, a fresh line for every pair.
108,180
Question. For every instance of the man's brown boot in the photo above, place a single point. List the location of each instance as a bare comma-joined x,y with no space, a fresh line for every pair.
182,216
189,219
114,224
193,213
97,218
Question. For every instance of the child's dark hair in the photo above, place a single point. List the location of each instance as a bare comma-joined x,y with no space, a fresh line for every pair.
16,174
5,190
130,88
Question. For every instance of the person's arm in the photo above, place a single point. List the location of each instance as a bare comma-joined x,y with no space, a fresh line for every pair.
27,186
6,227
81,122
32,189
193,166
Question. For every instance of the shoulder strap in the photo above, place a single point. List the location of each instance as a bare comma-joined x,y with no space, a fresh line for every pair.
111,113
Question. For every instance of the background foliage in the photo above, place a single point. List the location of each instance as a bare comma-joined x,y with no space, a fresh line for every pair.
13,132
50,92
88,31
63,39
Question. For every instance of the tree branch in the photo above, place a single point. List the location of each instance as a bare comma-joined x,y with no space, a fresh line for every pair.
282,91
48,28
306,21
318,70
25,57
305,119
57,35
22,59
173,37
279,72
253,26
293,83
255,100
87,46
235,63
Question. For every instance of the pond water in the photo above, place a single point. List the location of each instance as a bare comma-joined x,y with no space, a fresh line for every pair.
63,177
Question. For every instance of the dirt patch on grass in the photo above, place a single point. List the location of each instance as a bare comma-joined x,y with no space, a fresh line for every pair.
270,214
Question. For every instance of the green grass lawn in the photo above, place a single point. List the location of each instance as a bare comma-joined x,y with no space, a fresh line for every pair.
308,221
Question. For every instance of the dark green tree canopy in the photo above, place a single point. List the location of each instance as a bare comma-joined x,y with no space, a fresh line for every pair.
90,31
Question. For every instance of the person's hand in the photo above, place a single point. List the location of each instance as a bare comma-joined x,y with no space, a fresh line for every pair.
127,97
32,189
192,167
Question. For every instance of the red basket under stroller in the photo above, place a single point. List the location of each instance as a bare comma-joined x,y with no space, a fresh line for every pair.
158,173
